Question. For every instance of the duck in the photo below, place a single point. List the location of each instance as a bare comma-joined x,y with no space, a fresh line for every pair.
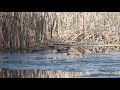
62,49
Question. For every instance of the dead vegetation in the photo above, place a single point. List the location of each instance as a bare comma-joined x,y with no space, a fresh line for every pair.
28,29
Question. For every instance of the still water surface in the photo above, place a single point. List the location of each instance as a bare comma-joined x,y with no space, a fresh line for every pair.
79,62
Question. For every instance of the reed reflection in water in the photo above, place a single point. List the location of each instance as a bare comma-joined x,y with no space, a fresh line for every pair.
78,52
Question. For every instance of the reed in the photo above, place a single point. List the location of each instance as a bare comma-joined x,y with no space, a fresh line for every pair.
7,73
30,29
24,29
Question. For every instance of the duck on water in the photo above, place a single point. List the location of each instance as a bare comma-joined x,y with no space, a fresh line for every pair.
60,48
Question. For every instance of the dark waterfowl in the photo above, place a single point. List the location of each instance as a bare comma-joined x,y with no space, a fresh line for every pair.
62,49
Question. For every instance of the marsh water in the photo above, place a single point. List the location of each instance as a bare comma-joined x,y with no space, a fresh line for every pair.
75,62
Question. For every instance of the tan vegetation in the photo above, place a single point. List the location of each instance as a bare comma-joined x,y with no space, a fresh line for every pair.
31,29
6,73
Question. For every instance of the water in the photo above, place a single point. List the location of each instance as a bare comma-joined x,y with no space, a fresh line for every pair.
79,62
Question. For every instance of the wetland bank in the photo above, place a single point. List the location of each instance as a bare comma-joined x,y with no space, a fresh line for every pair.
59,45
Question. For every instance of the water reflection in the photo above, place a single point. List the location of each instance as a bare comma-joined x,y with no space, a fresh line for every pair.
72,62
20,51
78,52
71,52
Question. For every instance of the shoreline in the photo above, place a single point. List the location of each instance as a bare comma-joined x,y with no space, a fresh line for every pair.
56,46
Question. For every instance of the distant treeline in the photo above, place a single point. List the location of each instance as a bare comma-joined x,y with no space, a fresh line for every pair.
26,29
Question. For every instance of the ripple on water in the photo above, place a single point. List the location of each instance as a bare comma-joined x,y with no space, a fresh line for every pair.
99,62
